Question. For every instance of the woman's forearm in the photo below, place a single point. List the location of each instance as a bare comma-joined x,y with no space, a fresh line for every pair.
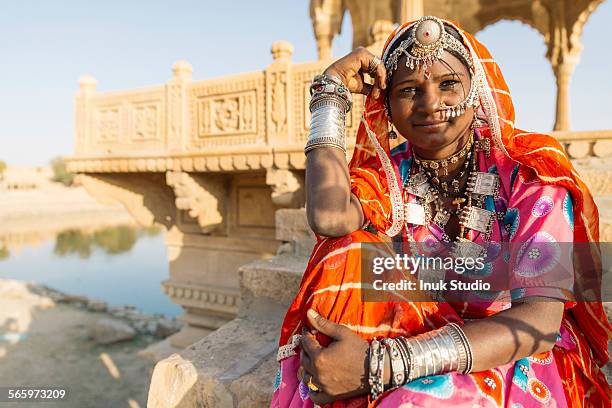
330,206
525,329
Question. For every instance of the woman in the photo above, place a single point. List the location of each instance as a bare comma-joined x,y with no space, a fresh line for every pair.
465,183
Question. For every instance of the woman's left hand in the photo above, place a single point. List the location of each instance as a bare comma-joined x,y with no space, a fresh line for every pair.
338,370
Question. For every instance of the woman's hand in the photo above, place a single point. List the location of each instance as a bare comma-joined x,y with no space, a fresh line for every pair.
338,370
351,68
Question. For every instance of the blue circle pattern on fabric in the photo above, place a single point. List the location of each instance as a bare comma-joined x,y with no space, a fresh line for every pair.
277,379
512,220
568,210
440,386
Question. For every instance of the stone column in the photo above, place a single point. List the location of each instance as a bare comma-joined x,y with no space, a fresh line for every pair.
84,113
563,73
326,16
177,111
410,10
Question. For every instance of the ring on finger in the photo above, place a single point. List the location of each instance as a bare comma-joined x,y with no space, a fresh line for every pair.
374,63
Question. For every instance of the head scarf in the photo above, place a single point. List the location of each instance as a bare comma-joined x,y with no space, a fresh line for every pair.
542,153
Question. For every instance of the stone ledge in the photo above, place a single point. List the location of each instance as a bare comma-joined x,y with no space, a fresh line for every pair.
233,366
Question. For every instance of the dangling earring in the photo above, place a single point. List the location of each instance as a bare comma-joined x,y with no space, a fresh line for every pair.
477,123
392,132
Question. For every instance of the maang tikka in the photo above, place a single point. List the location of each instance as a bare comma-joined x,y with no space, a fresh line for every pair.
423,48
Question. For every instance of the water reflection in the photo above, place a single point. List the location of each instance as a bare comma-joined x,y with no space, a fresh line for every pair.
119,265
113,240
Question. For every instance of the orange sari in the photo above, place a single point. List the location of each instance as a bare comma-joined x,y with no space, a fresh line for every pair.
331,281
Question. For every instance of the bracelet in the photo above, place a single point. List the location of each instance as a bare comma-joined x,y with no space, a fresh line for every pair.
327,123
439,351
324,84
398,362
377,368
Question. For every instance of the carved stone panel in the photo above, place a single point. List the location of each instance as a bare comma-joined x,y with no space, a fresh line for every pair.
227,113
145,121
106,124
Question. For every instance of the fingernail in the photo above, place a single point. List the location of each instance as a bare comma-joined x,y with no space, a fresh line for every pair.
312,314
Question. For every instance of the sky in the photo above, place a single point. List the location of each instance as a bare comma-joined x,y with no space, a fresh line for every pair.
45,46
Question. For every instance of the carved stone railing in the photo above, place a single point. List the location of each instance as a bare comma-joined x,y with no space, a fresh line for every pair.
245,122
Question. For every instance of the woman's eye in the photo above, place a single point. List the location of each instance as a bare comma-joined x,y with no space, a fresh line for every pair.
408,91
450,84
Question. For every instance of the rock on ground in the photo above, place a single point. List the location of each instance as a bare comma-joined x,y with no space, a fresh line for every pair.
108,331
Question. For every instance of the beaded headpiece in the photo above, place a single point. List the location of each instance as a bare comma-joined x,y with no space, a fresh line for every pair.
425,45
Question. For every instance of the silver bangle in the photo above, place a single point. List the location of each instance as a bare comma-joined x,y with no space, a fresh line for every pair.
327,123
439,351
377,367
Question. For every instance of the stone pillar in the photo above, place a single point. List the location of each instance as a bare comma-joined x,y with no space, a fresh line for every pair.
84,113
410,10
177,111
326,16
563,73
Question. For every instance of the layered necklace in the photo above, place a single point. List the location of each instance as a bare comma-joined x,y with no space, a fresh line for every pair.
427,184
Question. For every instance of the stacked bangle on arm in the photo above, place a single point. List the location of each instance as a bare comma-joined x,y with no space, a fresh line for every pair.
330,101
436,352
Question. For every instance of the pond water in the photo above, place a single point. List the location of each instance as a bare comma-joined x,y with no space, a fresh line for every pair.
121,265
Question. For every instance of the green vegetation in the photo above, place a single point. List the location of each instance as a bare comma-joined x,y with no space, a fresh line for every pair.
60,174
112,240
2,166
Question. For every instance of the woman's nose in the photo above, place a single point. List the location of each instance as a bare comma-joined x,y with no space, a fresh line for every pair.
428,101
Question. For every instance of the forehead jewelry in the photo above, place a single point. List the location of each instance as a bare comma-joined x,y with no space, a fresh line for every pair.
426,44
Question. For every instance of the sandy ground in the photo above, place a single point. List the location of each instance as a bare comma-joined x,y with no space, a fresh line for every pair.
48,344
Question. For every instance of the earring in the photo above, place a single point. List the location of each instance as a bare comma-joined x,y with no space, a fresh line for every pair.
392,132
477,123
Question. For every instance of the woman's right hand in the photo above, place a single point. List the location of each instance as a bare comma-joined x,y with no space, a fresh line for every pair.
351,69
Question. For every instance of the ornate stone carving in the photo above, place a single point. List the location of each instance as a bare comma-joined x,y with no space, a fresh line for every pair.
201,196
107,124
227,113
146,122
287,187
279,102
145,196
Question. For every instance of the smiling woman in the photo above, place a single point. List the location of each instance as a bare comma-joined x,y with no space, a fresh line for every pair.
465,183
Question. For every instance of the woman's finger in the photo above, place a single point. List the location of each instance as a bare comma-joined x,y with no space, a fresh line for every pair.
306,362
381,76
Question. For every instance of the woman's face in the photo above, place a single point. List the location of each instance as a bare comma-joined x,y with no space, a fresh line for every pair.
415,104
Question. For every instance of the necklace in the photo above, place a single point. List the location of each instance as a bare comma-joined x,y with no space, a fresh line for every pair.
467,205
442,164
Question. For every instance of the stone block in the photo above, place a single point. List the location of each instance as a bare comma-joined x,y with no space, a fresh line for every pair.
221,370
292,225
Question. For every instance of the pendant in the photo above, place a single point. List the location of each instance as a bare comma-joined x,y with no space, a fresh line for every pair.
477,219
414,214
483,145
466,249
418,185
484,184
441,219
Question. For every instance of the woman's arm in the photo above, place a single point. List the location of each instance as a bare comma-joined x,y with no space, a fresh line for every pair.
330,207
527,328
340,369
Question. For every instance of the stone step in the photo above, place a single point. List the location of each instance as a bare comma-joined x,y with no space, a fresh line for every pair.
232,367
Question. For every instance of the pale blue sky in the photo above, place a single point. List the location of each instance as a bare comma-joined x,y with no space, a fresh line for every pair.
46,45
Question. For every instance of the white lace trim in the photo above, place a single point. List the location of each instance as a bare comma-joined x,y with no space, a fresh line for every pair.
397,204
288,350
